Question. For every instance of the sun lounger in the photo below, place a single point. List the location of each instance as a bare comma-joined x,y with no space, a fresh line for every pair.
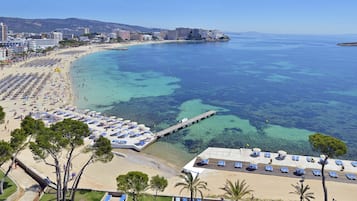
198,199
333,174
351,176
299,171
221,163
316,172
238,165
267,155
284,170
177,199
338,162
108,197
309,159
269,168
252,167
354,163
123,197
295,158
204,162
184,199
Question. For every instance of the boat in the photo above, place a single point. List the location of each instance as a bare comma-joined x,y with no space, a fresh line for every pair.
184,120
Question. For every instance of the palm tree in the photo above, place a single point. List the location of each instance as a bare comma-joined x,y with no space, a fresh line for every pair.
192,184
302,191
237,190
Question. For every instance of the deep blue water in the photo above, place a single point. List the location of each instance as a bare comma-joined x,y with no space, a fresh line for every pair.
271,91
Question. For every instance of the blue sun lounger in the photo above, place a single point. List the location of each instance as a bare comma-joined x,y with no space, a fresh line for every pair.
284,170
267,155
221,163
238,165
333,174
269,168
316,173
338,162
184,199
354,163
252,166
107,197
295,158
351,176
177,199
204,162
299,171
123,197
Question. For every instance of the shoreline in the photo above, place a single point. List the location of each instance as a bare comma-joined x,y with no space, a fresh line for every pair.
270,187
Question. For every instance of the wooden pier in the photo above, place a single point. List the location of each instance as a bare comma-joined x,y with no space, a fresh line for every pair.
185,124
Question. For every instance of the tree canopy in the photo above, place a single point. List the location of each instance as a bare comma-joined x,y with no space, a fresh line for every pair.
327,145
330,147
133,182
237,190
2,115
157,184
192,183
5,152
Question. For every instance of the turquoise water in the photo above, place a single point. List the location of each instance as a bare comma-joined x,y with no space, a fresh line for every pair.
270,91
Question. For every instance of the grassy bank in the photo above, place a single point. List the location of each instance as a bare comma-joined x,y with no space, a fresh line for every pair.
9,188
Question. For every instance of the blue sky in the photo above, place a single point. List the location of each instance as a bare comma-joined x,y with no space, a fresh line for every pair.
270,16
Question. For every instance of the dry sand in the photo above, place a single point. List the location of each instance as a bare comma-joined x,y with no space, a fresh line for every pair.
102,176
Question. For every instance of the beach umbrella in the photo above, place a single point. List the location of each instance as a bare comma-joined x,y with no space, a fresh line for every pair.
257,150
113,117
120,119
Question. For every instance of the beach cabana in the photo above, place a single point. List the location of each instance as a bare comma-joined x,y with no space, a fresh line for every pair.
221,163
238,165
284,170
316,173
281,155
269,168
256,152
333,174
351,176
322,159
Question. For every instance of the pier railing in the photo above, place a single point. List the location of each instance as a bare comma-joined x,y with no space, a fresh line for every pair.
184,124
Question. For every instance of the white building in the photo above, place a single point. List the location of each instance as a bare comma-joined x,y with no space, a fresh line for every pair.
3,54
146,37
38,44
3,32
57,36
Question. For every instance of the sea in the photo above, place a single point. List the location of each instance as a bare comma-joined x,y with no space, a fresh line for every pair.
271,91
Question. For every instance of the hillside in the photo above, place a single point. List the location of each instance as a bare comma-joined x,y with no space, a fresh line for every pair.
48,25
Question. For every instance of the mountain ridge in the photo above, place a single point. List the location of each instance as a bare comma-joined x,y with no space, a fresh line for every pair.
51,24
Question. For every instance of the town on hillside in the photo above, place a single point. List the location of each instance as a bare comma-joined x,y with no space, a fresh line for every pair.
16,47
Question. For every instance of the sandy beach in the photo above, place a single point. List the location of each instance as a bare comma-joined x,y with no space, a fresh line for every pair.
56,91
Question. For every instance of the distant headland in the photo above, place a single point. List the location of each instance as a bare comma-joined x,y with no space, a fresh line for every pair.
347,44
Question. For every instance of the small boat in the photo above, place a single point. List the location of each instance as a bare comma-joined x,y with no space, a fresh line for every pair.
184,120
